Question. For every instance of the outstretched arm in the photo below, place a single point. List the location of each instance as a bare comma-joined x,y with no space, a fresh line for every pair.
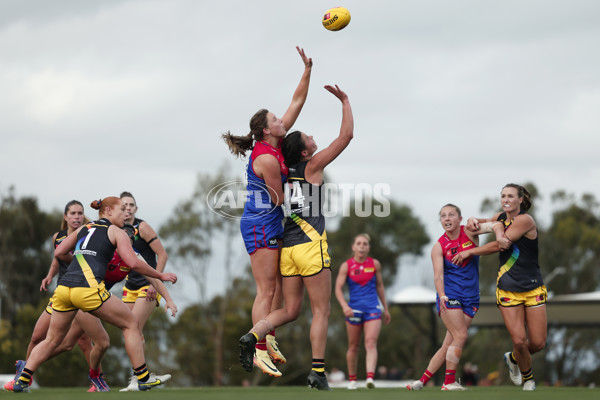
125,251
162,289
473,223
476,226
149,235
291,115
488,248
316,165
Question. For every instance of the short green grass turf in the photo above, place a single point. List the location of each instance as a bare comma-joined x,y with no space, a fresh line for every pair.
304,393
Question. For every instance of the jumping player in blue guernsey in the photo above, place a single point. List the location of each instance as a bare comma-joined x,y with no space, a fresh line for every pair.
261,224
457,287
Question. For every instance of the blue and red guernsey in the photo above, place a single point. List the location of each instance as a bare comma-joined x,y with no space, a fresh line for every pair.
259,206
362,284
460,281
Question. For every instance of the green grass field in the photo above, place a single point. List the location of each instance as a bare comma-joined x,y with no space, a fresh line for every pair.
303,393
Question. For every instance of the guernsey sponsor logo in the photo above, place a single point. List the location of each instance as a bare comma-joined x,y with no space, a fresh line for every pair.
84,252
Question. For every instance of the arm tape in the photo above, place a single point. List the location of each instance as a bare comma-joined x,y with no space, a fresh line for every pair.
487,227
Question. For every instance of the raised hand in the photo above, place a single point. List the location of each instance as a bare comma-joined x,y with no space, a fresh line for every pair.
337,92
307,61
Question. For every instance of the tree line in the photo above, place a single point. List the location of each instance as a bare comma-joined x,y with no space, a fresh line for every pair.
200,346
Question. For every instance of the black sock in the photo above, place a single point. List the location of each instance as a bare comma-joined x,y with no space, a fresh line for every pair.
527,375
318,365
141,373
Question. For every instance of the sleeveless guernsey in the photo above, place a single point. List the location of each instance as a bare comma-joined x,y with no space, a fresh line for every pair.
460,281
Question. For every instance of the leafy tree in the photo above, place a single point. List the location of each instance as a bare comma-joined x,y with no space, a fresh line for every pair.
14,337
190,236
572,244
393,236
192,336
25,250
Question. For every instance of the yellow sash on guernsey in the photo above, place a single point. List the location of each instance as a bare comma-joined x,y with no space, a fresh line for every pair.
308,229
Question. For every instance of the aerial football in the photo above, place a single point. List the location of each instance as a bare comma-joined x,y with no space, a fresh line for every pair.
336,18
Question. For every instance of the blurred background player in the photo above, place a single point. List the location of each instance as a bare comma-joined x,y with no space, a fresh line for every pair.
138,294
363,311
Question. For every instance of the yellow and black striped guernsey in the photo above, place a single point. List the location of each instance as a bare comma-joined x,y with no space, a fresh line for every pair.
304,208
92,254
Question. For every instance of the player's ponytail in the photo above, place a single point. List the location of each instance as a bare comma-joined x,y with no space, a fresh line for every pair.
102,204
239,145
96,204
523,193
526,204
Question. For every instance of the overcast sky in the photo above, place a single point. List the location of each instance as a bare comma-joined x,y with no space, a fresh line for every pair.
451,99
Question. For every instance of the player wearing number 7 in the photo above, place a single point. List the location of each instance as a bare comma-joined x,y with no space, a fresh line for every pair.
305,262
82,288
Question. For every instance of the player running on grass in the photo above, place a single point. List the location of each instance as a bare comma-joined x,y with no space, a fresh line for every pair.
82,288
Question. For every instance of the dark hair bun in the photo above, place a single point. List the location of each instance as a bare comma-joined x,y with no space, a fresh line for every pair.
96,204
